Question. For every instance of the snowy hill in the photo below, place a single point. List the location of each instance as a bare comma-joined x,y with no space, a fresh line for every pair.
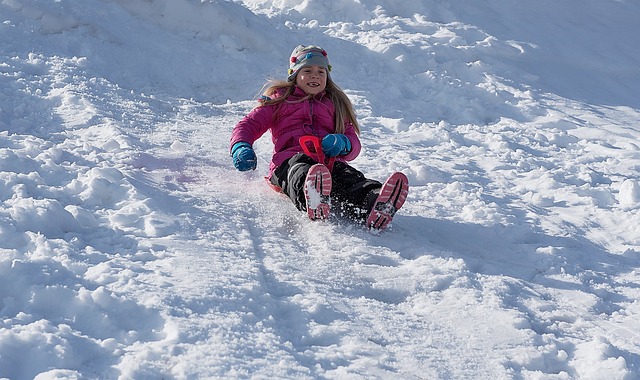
131,248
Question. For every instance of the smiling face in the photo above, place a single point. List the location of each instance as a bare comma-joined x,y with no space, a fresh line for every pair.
312,79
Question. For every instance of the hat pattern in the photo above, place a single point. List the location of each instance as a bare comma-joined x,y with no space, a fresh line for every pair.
303,56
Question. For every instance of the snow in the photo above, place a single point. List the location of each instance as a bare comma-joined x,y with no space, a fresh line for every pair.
131,248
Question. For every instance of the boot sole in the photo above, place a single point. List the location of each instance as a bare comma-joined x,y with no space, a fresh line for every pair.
317,192
392,195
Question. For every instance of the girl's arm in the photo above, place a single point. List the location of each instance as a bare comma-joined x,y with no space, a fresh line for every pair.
356,147
252,126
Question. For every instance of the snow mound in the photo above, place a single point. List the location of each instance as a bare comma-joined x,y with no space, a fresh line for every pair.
629,194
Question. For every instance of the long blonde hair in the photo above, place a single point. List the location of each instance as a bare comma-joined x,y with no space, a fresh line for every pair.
343,107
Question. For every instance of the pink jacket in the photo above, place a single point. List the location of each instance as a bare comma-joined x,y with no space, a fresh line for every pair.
290,120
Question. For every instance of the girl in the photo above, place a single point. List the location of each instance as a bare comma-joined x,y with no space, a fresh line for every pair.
315,132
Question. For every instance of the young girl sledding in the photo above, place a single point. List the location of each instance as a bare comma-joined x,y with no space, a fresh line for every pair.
315,132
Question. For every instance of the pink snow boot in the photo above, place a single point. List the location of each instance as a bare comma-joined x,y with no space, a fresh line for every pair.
392,195
317,191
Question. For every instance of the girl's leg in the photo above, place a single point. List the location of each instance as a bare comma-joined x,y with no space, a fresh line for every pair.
290,177
353,193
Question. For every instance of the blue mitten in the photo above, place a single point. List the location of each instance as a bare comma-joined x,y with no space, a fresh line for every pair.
335,144
244,158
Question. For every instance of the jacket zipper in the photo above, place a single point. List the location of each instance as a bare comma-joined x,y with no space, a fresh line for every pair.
313,127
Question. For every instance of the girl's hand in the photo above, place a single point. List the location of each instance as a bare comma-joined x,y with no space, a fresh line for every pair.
335,145
244,158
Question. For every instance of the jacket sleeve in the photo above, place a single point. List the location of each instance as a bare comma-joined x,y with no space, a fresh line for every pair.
252,126
356,147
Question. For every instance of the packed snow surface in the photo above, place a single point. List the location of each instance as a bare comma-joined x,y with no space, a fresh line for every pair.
130,247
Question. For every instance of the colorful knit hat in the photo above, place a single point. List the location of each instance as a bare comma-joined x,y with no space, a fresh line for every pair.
303,56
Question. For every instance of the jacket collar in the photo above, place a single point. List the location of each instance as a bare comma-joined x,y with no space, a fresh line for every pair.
298,93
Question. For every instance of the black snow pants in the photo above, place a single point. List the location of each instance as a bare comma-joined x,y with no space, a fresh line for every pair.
352,195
